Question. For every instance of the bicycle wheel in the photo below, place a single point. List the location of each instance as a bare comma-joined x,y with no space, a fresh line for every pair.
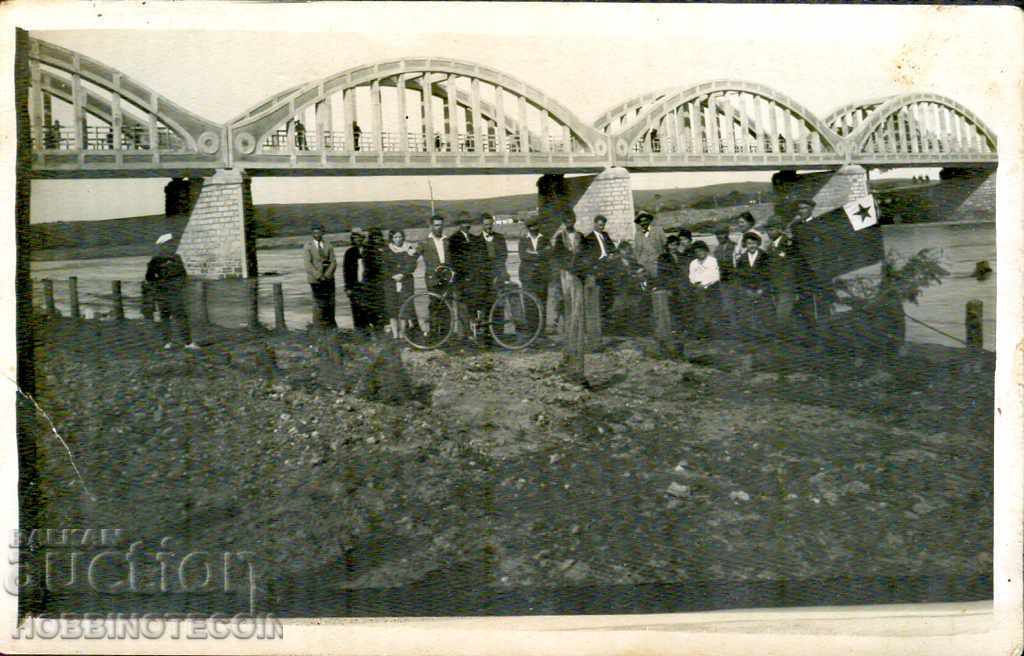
429,320
516,319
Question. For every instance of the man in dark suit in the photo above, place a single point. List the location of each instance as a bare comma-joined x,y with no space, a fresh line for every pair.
436,253
753,278
465,251
494,259
724,254
353,270
320,265
604,256
533,264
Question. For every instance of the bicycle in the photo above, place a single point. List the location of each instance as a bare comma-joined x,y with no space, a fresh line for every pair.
514,321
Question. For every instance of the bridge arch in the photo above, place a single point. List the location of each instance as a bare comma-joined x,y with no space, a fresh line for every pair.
457,110
922,127
727,119
137,118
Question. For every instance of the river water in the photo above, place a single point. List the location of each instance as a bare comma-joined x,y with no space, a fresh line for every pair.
960,245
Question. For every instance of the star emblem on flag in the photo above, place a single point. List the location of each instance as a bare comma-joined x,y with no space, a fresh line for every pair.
861,213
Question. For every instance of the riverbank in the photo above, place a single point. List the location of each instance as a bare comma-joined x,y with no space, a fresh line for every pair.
501,488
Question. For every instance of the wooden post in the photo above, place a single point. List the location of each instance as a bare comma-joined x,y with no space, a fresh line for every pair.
202,309
51,307
592,313
279,324
575,334
973,321
73,295
254,303
115,292
662,320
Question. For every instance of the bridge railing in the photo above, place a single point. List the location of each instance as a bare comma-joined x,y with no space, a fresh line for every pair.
278,141
701,146
101,137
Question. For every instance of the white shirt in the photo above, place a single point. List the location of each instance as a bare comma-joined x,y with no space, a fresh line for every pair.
439,245
704,273
534,240
752,257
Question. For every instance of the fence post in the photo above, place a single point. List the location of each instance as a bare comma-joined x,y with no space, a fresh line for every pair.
592,313
51,307
279,324
973,322
663,323
202,311
73,295
254,304
115,292
575,335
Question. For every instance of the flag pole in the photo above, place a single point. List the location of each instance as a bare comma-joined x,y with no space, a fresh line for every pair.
431,188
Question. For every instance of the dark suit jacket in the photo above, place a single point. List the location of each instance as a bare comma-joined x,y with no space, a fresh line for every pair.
496,254
609,245
350,268
757,276
466,259
723,253
431,261
533,264
578,260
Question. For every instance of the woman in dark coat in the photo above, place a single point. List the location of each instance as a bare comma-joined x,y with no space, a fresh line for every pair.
376,277
399,264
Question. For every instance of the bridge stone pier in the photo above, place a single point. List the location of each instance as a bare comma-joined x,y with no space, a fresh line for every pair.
609,193
218,241
828,189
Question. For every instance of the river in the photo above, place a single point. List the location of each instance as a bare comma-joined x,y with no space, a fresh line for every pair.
961,246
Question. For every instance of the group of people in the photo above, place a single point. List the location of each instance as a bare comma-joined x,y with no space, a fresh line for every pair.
750,285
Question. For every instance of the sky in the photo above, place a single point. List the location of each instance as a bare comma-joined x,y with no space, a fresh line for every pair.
588,57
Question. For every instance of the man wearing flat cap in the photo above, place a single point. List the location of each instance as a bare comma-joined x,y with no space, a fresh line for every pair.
320,264
648,243
166,276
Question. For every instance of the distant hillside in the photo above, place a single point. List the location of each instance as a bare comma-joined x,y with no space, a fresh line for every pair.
135,235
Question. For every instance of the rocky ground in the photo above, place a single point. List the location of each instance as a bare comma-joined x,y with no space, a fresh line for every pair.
499,477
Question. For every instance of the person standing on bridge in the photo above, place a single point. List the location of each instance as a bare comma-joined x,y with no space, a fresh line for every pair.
168,279
320,264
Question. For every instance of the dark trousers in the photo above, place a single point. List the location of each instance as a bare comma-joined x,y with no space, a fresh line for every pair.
538,286
323,304
754,313
705,304
171,306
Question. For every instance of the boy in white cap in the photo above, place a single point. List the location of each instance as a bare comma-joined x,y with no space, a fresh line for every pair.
166,274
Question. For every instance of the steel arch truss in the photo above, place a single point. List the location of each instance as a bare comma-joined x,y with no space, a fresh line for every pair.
921,128
441,114
134,129
722,124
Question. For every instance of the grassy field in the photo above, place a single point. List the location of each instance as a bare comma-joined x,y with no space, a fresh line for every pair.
499,488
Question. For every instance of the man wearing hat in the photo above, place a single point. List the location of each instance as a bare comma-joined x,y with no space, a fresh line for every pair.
166,276
648,243
727,291
320,264
753,299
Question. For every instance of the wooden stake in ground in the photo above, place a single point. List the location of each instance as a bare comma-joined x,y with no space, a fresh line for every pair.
575,333
592,314
662,320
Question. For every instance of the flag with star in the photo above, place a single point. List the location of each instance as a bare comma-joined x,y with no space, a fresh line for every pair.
831,244
862,213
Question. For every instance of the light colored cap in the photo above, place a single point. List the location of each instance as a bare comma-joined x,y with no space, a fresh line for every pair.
164,238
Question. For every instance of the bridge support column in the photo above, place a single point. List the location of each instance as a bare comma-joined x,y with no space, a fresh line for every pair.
219,240
609,193
828,189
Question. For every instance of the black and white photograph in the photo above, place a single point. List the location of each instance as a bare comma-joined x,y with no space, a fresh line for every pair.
334,313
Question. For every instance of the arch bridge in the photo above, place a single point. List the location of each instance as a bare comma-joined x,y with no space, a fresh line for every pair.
444,116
